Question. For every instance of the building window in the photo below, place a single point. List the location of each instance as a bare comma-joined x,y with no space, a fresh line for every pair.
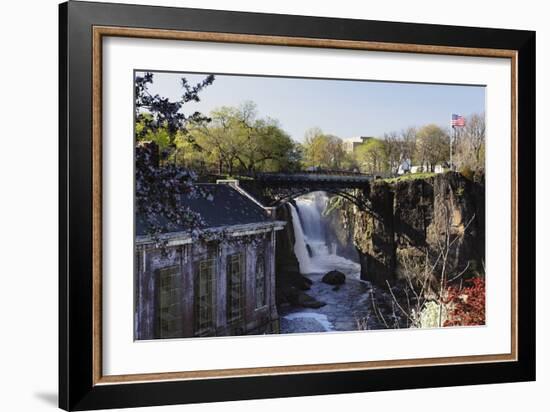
170,319
235,287
205,297
260,281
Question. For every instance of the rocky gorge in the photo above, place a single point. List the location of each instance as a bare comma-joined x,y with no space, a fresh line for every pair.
414,232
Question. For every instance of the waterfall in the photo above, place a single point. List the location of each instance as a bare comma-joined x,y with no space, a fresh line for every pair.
300,246
310,247
309,210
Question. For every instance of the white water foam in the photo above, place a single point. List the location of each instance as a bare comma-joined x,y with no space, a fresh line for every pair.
319,317
311,249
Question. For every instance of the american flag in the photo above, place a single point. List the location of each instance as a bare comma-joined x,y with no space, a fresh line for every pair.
457,120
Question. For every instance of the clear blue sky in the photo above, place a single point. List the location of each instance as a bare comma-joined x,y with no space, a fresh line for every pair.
345,108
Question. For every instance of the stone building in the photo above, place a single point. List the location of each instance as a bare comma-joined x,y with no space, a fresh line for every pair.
351,144
218,285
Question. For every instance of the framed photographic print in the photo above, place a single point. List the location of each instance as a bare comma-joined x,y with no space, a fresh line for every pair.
257,205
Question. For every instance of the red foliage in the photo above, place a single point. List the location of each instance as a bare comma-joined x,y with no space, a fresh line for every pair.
467,304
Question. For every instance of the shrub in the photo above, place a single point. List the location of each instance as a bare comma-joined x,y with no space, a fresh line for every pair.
467,173
430,314
467,304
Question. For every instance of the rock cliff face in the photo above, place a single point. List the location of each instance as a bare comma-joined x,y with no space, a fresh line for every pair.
415,222
340,230
287,267
408,225
289,282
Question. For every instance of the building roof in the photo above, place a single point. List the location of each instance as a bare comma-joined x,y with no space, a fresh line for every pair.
356,139
222,206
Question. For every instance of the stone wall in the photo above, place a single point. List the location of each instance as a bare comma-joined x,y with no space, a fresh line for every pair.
149,260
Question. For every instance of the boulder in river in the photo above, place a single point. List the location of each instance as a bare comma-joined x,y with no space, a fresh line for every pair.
297,297
304,283
307,301
334,277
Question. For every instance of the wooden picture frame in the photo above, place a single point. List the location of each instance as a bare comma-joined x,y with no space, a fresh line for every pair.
82,385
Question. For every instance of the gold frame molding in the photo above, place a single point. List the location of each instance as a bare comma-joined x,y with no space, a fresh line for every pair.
99,32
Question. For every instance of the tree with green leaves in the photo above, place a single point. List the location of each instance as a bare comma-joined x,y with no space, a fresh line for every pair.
372,156
237,139
324,151
260,140
432,146
218,140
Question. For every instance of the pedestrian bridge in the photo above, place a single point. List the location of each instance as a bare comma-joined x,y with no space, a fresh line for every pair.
325,179
274,189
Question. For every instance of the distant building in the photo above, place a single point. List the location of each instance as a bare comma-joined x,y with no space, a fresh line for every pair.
199,287
417,169
352,143
438,168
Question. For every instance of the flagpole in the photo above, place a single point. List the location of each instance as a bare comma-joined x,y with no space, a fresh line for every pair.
451,145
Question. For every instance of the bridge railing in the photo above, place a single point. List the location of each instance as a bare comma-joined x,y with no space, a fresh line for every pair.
316,172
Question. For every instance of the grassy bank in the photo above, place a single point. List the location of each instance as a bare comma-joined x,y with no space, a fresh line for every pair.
409,176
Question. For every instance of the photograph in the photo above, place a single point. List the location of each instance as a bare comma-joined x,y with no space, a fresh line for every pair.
292,205
280,204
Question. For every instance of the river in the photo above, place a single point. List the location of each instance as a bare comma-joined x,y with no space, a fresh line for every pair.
348,306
